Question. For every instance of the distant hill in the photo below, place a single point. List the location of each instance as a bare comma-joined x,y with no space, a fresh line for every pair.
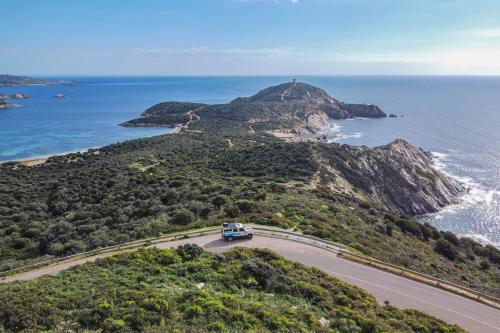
294,107
7,80
289,92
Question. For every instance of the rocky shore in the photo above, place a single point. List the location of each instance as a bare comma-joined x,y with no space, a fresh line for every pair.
398,176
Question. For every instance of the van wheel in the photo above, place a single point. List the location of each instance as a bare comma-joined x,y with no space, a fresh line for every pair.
250,236
229,239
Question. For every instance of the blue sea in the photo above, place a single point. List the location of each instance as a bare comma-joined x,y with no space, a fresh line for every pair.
456,118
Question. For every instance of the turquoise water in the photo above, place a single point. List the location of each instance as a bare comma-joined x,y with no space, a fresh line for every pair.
457,118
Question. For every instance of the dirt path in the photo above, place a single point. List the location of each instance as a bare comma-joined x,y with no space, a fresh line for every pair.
192,118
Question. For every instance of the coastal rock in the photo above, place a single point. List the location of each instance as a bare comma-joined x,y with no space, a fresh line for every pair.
14,96
398,176
392,115
4,105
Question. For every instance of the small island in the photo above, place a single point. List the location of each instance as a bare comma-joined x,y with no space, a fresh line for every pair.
4,104
7,80
14,96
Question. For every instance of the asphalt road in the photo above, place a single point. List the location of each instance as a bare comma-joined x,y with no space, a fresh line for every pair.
401,292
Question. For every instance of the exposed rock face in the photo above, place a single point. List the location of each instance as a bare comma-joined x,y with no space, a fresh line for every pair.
363,110
399,176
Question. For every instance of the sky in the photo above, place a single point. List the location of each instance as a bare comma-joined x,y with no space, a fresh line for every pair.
250,37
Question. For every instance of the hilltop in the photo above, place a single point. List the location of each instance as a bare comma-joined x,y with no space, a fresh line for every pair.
291,108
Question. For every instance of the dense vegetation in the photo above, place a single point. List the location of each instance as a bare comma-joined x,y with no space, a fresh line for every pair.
186,290
157,185
166,114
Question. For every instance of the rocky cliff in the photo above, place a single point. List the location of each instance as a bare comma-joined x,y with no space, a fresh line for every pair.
398,176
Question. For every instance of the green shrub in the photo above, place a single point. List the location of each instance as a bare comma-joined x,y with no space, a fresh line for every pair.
182,217
446,249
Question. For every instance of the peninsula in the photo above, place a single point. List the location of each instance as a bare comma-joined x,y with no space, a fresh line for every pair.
293,110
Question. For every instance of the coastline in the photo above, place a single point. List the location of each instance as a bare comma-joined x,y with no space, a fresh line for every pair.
37,160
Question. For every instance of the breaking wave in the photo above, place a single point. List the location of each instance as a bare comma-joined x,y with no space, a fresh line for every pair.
335,134
475,193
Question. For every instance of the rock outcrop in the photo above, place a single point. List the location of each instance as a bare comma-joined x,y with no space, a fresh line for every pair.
398,176
4,105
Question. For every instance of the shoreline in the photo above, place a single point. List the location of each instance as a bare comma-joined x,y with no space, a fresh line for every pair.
37,160
40,159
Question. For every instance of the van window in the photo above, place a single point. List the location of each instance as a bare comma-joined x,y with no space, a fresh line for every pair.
242,229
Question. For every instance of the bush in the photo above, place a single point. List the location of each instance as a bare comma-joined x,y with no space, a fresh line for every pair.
182,217
261,271
485,265
410,227
365,205
451,237
190,251
232,211
247,206
220,200
446,249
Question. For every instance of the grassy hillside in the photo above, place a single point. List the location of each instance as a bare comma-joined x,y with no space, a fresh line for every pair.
186,290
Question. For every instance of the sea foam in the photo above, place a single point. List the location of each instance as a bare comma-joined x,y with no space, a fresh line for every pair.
475,193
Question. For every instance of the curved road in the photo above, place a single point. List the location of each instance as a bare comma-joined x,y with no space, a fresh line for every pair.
401,292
